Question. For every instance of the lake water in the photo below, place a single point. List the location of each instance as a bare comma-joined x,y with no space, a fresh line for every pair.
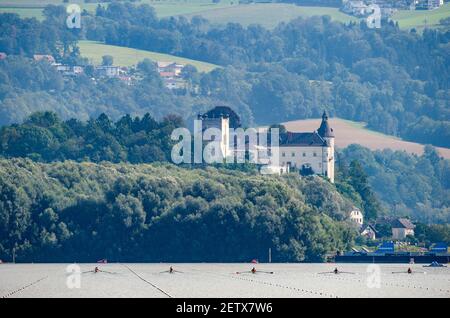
222,280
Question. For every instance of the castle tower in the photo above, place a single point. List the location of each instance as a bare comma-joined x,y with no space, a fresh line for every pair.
327,133
222,118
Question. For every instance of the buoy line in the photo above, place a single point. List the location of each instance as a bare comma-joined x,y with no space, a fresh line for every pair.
298,289
24,287
408,286
146,281
305,291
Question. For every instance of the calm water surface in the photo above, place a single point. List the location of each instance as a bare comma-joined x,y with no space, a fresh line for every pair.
222,280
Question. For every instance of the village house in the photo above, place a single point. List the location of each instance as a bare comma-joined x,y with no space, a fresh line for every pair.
3,56
428,4
369,232
170,73
170,67
401,228
356,216
67,70
355,8
108,71
48,58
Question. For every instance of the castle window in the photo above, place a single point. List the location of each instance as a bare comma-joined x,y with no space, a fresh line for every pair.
304,154
283,154
315,154
293,154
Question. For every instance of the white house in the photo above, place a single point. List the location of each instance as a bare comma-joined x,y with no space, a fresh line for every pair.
401,228
108,71
356,216
369,232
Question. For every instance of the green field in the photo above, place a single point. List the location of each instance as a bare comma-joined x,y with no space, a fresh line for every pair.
421,19
270,14
30,8
266,14
127,57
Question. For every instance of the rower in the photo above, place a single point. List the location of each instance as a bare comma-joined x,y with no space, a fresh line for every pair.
409,270
96,270
253,270
336,271
171,270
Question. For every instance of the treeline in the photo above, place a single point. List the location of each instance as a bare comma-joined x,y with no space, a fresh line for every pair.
44,137
407,185
84,212
30,36
380,183
397,81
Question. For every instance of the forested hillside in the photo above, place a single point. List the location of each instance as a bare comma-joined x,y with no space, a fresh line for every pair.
380,183
395,80
150,213
406,185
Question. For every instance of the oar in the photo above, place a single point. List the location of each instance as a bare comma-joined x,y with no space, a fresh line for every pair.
107,272
415,272
264,272
174,271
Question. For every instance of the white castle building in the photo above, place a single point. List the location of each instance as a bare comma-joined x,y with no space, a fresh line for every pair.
307,152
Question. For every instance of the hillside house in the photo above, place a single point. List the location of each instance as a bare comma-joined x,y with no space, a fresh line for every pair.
356,216
428,4
170,67
170,73
369,232
3,56
67,70
401,228
108,71
355,8
47,58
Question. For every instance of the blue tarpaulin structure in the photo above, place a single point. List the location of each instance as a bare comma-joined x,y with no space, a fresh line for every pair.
439,248
386,247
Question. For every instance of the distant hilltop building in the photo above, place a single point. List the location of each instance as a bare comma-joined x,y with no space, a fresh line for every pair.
308,152
356,216
428,4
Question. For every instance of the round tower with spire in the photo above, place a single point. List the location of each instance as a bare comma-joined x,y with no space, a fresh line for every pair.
326,132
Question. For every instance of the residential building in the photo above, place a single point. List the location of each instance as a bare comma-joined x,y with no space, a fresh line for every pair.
48,58
401,228
108,71
369,232
356,8
356,216
428,4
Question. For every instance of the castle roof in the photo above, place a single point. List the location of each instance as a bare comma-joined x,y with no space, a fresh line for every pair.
325,130
302,139
224,111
